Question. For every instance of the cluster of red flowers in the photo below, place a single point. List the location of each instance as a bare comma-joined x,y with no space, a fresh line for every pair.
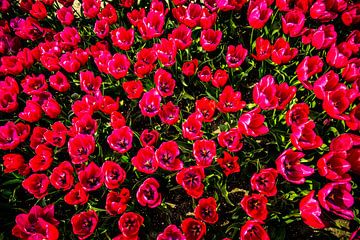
47,63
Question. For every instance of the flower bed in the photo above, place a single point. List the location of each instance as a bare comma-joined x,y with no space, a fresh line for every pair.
216,119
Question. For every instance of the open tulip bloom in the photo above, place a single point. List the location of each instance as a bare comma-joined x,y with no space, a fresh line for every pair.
179,119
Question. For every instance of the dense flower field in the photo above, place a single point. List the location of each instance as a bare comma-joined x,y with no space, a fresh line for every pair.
179,119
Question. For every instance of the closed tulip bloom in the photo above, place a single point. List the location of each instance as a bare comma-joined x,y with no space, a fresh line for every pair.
263,49
311,213
308,67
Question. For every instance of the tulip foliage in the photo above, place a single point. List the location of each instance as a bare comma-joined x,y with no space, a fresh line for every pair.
179,119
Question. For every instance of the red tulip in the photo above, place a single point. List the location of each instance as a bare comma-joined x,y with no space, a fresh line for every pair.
59,82
39,223
336,198
263,49
265,182
258,13
287,5
62,176
148,195
171,232
13,162
189,68
282,53
191,180
190,16
32,112
84,224
33,84
354,119
207,19
206,210
348,143
122,38
133,89
149,138
336,103
206,107
336,57
182,37
167,156
253,230
38,10
114,174
120,139
333,166
264,93
37,185
116,202
235,55
164,82
145,160
193,229
325,11
91,8
210,39
230,101
255,206
135,16
89,83
42,160
298,114
229,164
289,166
150,103
204,152
101,29
310,211
76,196
166,52
118,66
81,147
220,78
91,178
328,82
169,113
130,223
68,62
351,16
308,67
324,37
108,13
65,15
293,23
303,137
352,70
151,26
231,140
252,123
9,138
191,127
205,74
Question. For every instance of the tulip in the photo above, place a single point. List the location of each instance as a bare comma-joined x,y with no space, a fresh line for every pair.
289,166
